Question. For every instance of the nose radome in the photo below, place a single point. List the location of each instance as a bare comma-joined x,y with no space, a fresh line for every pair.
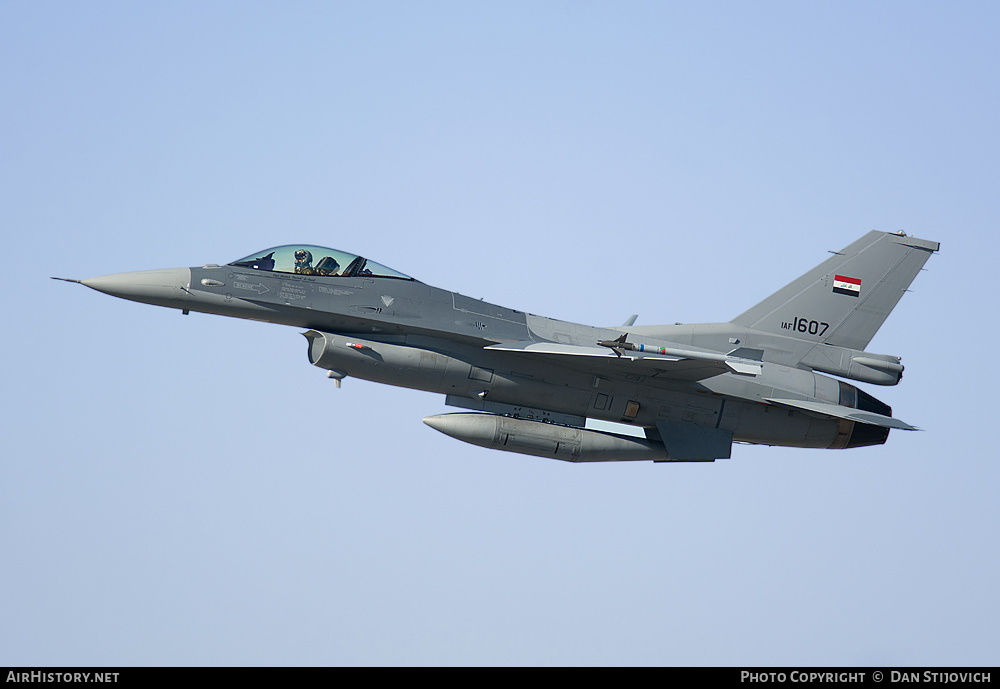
164,287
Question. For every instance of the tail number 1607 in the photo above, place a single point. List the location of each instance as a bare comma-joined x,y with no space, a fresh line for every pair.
806,325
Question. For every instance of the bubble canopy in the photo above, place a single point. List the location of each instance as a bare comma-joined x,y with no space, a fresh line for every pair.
306,259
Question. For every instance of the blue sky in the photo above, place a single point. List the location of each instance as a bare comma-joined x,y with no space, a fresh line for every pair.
189,490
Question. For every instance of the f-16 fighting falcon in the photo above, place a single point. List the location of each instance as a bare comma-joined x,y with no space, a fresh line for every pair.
772,375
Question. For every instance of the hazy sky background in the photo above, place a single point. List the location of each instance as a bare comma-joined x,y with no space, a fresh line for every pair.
189,490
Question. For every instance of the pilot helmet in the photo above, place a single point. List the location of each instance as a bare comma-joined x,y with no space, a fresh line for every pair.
303,259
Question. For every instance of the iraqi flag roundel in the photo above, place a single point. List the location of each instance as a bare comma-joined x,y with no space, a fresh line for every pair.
846,285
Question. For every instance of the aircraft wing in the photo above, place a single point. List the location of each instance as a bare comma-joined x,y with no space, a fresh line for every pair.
673,362
839,412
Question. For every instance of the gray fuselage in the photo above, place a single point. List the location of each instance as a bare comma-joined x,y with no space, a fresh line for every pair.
417,336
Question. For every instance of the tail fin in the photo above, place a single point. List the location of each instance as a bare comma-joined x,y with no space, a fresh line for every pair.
844,300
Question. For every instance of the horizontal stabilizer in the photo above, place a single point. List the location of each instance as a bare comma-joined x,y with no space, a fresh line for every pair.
849,413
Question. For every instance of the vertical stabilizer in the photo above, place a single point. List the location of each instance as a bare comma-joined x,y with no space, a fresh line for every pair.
844,300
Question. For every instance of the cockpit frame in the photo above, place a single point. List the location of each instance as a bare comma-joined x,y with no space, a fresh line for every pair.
309,259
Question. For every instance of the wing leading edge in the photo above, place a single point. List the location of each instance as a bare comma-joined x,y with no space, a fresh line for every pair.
672,361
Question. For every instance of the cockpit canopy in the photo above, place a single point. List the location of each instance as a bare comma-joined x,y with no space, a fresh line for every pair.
306,259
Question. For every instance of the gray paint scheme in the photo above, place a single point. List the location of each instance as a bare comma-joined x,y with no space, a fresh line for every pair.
694,389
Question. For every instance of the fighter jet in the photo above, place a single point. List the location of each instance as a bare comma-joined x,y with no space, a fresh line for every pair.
773,375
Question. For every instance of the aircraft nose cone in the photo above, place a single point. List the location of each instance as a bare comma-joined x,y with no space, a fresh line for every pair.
165,287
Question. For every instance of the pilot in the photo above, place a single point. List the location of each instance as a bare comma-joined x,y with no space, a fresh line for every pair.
303,262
